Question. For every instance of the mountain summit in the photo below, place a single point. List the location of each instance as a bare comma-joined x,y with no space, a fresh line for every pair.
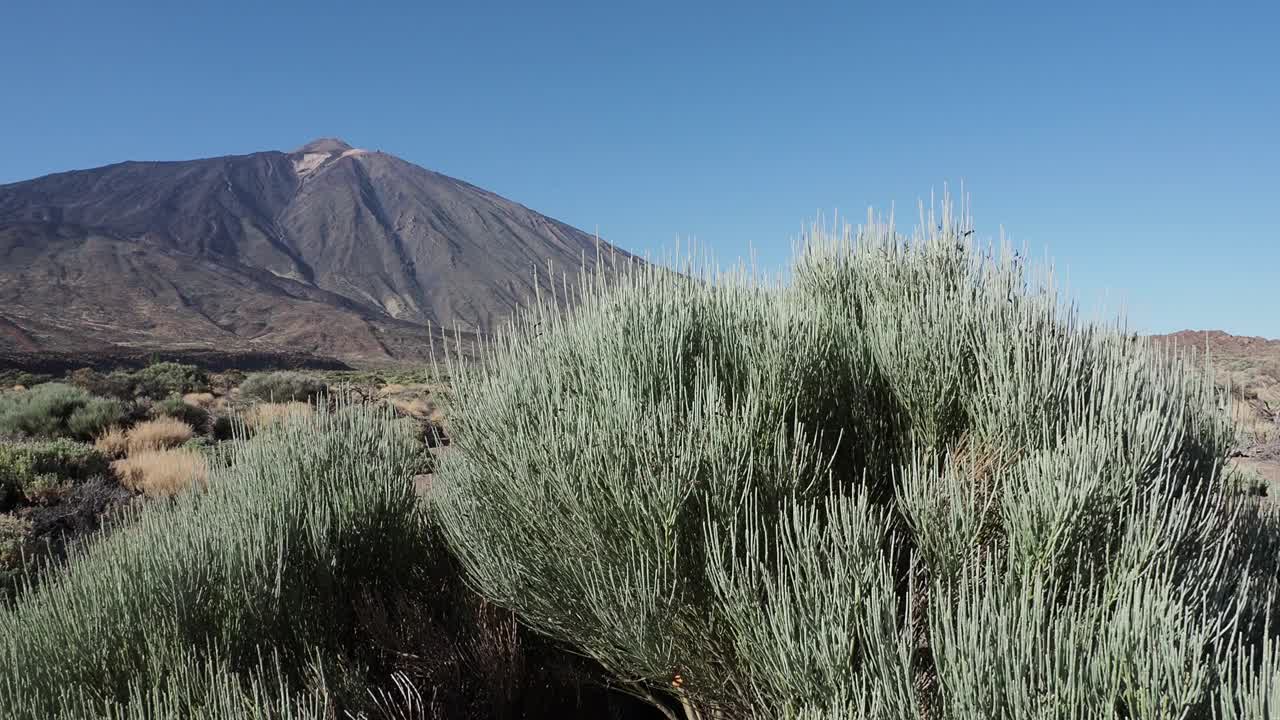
324,145
328,249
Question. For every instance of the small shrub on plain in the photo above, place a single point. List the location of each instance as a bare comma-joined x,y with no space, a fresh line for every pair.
282,386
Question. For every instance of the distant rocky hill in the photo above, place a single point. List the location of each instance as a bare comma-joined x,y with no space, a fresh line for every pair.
328,250
1250,366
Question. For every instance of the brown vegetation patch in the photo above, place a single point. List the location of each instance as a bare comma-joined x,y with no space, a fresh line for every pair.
159,434
262,415
162,473
114,443
204,400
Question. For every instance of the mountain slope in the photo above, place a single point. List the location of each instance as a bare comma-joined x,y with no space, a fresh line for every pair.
327,249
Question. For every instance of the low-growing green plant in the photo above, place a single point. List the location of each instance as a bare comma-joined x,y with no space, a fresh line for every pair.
221,427
57,410
15,540
118,384
177,408
282,387
31,467
155,382
13,378
42,411
14,534
160,380
94,417
909,483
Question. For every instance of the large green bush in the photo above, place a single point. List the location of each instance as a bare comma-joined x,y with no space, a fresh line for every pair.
282,386
911,482
57,410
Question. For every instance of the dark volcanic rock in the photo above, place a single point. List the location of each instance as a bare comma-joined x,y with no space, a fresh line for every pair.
328,250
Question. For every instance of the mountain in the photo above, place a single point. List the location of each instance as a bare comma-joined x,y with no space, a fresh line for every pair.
328,249
1250,366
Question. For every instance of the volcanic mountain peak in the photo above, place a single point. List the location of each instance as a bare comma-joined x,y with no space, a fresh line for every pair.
311,157
329,250
323,145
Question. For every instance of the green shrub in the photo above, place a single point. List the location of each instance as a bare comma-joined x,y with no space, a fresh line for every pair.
27,468
909,483
176,408
95,416
57,410
222,427
117,384
42,411
155,382
162,380
15,541
224,381
14,535
276,558
283,386
11,378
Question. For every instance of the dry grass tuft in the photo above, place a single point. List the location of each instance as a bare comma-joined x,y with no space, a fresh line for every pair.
113,442
261,415
162,473
204,400
159,434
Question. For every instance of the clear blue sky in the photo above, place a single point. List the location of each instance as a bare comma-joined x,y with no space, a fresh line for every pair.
1137,143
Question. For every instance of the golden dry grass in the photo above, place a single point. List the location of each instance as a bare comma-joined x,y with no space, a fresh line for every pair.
162,473
113,442
159,434
204,401
261,415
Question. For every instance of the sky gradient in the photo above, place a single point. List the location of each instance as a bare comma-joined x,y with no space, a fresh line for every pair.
1139,147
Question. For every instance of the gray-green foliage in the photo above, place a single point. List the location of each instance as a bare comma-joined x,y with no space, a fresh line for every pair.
94,417
162,379
196,607
910,482
156,381
282,386
25,465
175,407
56,410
